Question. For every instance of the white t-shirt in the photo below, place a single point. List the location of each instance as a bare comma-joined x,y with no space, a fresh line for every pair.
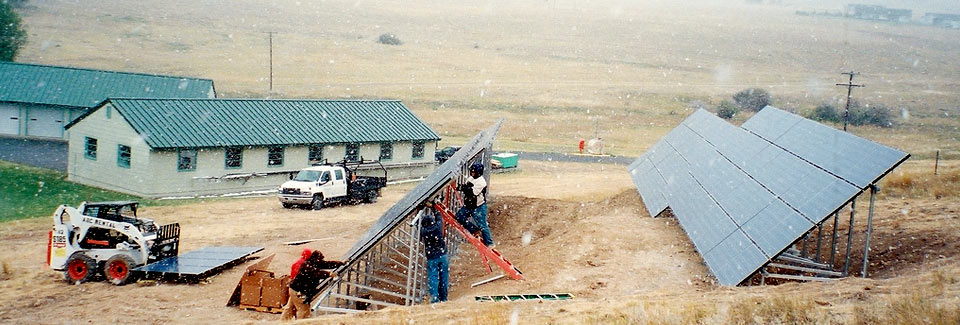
479,184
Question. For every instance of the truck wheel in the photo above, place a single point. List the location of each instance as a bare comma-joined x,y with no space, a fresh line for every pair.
286,205
372,197
317,202
80,268
117,269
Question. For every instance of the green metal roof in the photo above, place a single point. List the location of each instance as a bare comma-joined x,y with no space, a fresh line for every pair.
189,123
52,85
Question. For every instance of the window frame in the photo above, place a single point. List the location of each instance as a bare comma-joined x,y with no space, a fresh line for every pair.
87,151
227,159
122,161
423,150
356,154
315,153
193,164
389,151
270,160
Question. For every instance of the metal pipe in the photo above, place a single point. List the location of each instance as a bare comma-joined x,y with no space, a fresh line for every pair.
853,211
866,246
833,243
803,244
816,258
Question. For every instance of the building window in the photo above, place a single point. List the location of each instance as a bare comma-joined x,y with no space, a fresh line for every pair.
315,156
233,157
123,156
353,152
90,148
386,151
275,156
417,150
187,160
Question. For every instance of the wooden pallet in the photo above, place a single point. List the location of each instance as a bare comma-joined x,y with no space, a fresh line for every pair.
262,309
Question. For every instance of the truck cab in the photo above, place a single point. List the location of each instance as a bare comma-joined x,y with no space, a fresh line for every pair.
312,185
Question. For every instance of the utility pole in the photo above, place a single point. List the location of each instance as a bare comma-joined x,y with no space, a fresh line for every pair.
850,85
271,59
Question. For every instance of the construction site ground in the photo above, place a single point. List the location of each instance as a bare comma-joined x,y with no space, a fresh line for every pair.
570,227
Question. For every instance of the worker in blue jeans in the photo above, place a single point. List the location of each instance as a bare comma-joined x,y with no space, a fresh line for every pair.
475,205
435,247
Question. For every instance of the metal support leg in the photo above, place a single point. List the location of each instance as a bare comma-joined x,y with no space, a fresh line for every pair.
816,258
853,211
833,243
866,246
803,244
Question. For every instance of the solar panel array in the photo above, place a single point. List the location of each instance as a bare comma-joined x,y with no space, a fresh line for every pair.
744,195
201,262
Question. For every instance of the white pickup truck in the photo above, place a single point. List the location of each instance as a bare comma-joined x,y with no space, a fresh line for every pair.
317,185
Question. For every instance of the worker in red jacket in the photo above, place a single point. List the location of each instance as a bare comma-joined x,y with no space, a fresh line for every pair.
294,302
305,285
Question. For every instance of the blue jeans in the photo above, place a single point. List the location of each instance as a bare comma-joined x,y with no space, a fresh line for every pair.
438,278
480,216
463,217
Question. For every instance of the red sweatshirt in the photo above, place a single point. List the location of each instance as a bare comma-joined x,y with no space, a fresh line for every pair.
296,265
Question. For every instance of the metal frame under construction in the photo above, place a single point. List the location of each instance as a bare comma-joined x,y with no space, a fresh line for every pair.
387,267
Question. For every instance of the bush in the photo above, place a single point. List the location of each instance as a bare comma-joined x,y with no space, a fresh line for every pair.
389,39
753,99
726,109
826,113
864,115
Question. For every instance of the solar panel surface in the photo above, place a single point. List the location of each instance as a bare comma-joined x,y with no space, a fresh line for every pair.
744,195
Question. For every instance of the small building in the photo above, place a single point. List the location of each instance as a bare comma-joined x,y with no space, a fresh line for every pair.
875,12
38,100
195,147
942,20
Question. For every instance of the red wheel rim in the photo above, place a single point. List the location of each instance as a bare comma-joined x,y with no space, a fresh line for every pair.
78,270
118,270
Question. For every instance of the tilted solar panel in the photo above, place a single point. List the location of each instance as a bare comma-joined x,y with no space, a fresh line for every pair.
744,195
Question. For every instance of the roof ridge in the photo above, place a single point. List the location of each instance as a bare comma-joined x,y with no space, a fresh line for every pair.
104,71
253,99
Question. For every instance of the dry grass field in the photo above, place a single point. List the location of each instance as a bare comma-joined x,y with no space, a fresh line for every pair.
558,71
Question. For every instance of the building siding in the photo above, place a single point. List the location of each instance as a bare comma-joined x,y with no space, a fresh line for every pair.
104,171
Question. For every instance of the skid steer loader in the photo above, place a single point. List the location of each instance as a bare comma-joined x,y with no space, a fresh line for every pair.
107,237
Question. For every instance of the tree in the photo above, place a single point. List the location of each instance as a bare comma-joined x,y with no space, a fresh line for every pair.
726,109
12,36
753,99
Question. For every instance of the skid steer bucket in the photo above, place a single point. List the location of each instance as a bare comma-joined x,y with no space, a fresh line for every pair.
167,243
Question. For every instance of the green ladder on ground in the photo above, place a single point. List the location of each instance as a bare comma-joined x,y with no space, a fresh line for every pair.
538,296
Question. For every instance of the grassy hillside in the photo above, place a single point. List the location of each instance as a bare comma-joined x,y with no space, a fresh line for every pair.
30,192
557,70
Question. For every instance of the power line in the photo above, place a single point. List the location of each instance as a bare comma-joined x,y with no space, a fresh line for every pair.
850,86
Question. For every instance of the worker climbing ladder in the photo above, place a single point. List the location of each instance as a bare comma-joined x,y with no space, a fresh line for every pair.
487,253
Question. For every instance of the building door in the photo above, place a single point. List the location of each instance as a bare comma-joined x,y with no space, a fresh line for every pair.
9,119
45,122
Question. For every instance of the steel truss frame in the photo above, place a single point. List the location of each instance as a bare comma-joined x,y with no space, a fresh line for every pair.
387,267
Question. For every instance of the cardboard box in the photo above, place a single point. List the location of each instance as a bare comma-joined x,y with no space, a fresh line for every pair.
260,289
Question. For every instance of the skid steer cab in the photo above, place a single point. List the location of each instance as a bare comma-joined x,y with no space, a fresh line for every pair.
107,238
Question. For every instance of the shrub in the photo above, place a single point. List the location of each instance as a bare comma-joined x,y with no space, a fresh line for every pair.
753,99
726,109
826,113
864,115
12,35
389,39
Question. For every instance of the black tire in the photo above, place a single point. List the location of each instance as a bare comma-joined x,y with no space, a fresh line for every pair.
286,205
80,268
372,196
119,269
317,202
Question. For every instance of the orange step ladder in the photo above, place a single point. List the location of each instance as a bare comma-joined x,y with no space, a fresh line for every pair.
486,252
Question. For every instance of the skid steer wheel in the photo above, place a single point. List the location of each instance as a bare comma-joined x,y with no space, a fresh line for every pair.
317,202
117,269
80,268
